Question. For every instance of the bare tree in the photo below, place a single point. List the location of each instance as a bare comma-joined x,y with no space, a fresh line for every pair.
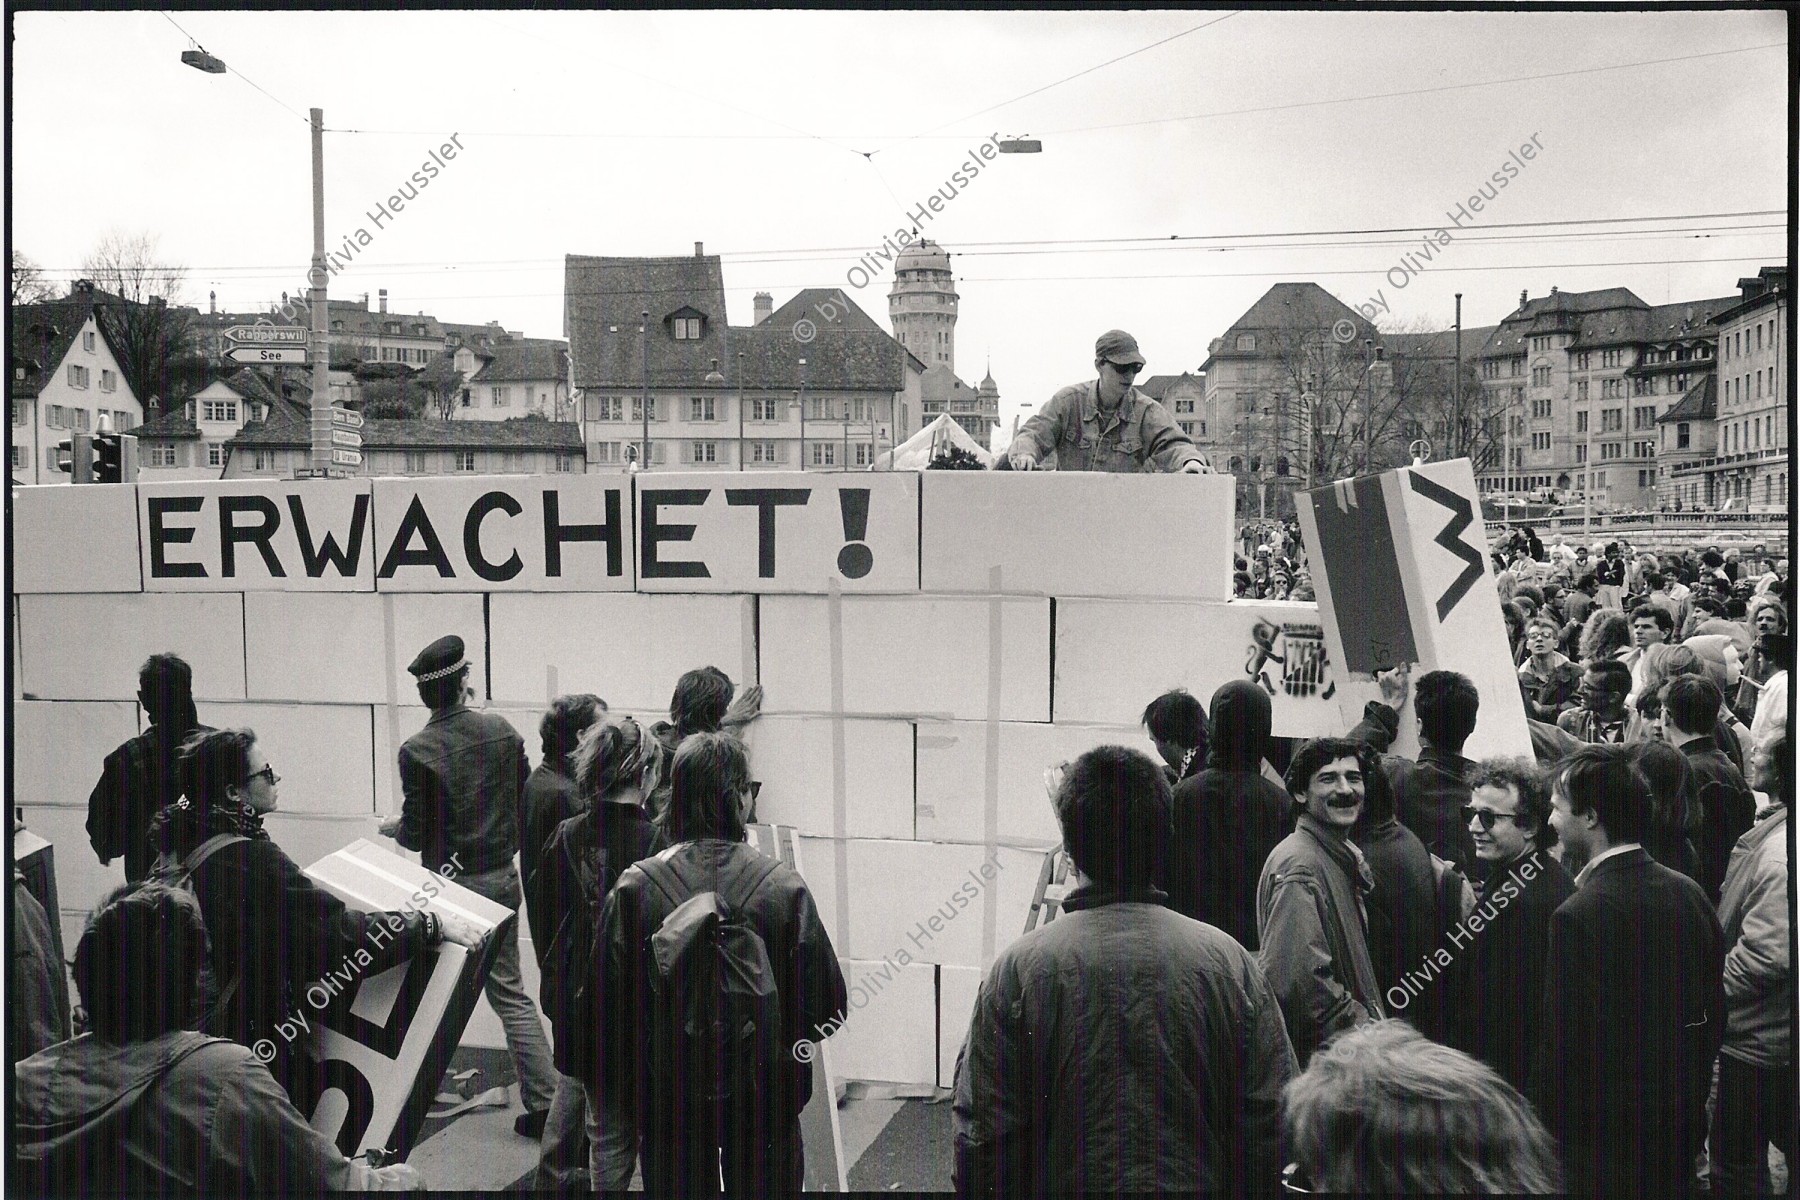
26,283
131,266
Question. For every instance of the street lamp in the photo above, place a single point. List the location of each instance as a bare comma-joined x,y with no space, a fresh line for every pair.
1307,400
644,339
799,402
716,381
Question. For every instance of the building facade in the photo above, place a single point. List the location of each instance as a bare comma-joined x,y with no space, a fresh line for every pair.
194,441
1749,469
922,310
65,375
523,446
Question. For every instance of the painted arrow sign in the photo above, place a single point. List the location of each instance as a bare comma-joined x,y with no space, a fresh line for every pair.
267,354
267,335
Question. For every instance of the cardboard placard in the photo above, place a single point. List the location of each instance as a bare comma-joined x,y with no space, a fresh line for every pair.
243,535
382,1045
504,533
778,532
75,539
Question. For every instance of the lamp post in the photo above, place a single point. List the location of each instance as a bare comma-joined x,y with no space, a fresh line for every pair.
1368,429
1307,400
644,343
716,382
740,407
800,403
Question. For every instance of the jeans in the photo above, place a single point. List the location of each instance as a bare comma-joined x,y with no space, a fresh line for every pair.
506,992
1756,1108
612,1142
563,1161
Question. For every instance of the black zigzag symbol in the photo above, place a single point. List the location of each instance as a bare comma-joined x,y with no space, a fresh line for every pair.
1450,538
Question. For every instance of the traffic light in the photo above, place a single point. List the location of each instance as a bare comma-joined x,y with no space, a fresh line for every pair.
75,454
115,458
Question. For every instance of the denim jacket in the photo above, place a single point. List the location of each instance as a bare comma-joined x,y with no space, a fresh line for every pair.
463,776
1140,437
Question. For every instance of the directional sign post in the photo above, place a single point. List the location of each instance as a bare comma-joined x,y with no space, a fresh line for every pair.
267,335
346,437
268,355
345,458
346,418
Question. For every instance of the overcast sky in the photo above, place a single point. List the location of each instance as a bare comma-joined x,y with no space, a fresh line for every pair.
792,144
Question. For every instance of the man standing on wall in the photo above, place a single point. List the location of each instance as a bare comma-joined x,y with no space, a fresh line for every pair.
463,776
1107,425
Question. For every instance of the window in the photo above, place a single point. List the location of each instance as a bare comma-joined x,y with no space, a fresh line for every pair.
218,410
1184,406
417,462
79,419
1490,369
1640,385
824,454
687,329
463,460
637,409
763,409
703,452
1644,417
605,408
1540,441
18,457
1682,436
1515,366
1643,449
501,396
1612,358
1643,479
1599,479
1612,420
1246,341
1678,383
604,453
820,409
1540,376
109,381
215,454
87,341
1581,390
864,454
160,456
1540,410
78,376
21,412
263,460
390,327
702,408
1612,389
1583,360
1612,450
466,401
1539,345
1581,453
765,452
1186,427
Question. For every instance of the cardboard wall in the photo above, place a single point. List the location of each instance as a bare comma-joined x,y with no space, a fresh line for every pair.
907,630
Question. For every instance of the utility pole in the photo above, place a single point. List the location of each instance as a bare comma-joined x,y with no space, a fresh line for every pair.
740,398
321,349
644,339
1456,435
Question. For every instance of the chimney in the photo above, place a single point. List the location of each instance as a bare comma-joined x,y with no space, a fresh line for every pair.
365,302
155,407
1553,289
383,299
765,305
699,249
212,303
1524,295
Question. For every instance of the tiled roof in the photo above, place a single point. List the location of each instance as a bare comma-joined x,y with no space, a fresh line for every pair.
847,351
1439,343
603,302
1608,317
248,384
1701,403
421,435
528,359
1296,306
360,321
55,322
172,426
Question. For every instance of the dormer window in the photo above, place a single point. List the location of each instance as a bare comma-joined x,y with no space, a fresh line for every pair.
419,331
390,327
1246,341
687,329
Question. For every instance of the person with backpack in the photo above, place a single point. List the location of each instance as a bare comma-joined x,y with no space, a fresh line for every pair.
717,967
581,861
273,930
140,778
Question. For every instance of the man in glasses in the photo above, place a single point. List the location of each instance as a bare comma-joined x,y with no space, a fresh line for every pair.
1497,984
1107,424
1603,716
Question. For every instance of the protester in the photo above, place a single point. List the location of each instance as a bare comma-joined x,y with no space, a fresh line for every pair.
1383,1111
463,777
37,998
1177,726
1429,794
1228,818
1065,1086
1547,677
1606,635
1495,982
1770,718
1107,425
143,1103
272,929
1416,898
1767,616
141,778
1309,900
1634,1008
752,1136
1690,711
1603,716
1675,817
549,800
1651,626
1757,1084
612,765
705,701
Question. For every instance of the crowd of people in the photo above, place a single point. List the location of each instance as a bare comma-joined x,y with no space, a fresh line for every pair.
1313,966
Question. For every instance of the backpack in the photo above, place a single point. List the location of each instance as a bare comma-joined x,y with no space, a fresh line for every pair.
215,998
715,1009
569,991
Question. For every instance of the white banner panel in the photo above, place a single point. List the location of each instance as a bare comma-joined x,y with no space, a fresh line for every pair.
504,533
309,535
788,532
1077,533
75,539
90,647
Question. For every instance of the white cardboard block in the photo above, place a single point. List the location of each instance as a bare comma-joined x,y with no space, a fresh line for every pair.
792,757
89,647
952,784
788,532
890,1031
628,648
324,753
248,534
334,648
59,746
957,989
75,539
1077,533
907,656
514,533
81,882
926,899
1115,656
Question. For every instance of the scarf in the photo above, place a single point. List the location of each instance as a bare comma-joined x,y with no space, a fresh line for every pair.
181,826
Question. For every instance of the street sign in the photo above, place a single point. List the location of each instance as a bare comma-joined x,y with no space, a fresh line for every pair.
346,437
347,418
345,458
267,354
267,335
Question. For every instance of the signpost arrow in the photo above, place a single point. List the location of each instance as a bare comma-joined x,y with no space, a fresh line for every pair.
267,335
346,437
347,418
267,354
346,458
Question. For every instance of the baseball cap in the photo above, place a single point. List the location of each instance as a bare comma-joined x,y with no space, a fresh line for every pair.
1115,345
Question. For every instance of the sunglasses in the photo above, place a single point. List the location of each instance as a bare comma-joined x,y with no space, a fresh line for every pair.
269,772
1125,368
1486,816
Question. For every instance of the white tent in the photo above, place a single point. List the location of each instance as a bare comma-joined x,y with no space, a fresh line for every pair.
917,451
